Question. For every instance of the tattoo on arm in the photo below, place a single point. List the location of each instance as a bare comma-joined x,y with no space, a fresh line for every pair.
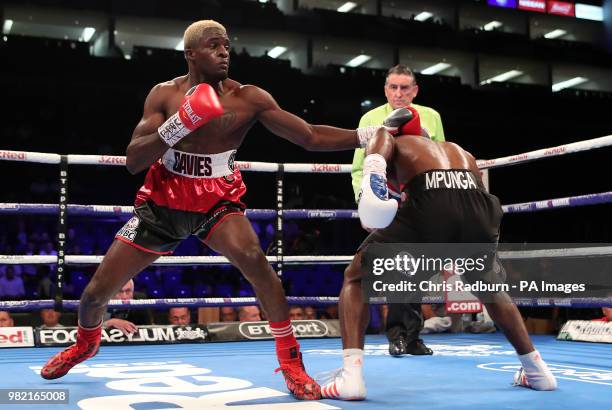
224,122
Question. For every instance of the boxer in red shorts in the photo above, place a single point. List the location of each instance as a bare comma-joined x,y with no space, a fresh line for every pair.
187,138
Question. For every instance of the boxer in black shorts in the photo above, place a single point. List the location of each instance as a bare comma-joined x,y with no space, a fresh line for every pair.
444,202
444,205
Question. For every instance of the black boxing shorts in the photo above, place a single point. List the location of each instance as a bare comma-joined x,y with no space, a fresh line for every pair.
157,229
445,206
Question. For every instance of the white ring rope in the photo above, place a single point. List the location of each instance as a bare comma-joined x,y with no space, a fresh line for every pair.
293,260
579,146
117,160
113,160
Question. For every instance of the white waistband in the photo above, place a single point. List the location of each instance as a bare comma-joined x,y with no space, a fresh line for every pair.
194,165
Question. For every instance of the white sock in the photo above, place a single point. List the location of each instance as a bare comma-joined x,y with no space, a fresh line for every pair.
352,368
538,374
353,358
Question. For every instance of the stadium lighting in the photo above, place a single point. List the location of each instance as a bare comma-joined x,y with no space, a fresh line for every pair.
435,69
492,25
422,16
555,34
88,33
277,51
8,24
346,7
180,46
589,12
359,60
568,83
508,75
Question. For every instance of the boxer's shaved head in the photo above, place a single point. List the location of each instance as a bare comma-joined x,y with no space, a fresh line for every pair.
196,30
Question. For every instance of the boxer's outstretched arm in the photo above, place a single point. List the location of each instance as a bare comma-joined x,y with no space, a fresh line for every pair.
382,143
146,146
293,128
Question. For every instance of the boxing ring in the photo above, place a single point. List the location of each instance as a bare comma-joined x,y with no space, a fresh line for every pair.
466,372
472,371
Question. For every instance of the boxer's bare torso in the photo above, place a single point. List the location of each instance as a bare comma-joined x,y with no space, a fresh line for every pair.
241,104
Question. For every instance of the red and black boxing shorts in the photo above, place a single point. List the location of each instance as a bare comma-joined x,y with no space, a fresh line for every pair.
183,194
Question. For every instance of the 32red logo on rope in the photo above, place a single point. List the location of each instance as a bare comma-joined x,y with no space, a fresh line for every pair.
325,168
106,159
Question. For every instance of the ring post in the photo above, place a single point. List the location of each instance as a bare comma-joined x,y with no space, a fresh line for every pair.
278,231
61,234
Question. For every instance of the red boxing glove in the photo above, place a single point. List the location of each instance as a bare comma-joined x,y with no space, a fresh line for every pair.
403,121
412,127
200,105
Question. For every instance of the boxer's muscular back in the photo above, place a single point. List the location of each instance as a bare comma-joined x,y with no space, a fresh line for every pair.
221,134
414,155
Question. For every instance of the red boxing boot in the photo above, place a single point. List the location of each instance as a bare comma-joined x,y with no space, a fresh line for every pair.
299,383
86,346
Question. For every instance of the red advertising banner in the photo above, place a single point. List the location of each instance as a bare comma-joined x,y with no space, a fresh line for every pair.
562,8
533,5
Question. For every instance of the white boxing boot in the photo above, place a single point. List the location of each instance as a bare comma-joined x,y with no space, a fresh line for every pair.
346,383
535,373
